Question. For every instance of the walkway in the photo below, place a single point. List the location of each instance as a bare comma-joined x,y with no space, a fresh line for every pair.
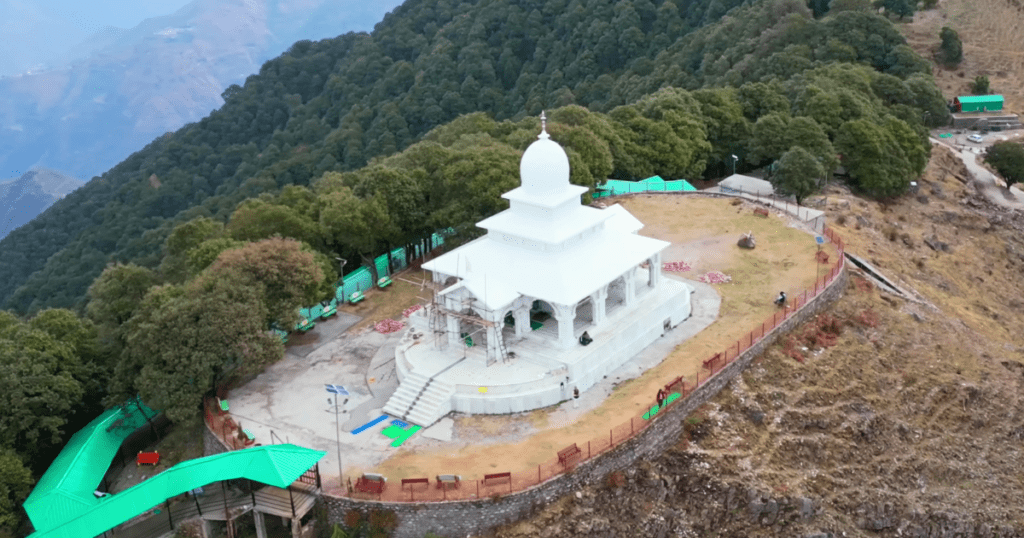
991,186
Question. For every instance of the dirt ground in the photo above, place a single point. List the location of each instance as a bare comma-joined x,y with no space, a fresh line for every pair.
992,32
389,302
902,417
704,232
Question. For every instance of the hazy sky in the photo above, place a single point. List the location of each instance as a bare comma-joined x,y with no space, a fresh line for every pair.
42,31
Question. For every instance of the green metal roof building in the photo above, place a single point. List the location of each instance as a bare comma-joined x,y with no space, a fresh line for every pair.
66,488
978,103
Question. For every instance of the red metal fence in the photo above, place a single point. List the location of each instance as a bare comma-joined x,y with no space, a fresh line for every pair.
434,489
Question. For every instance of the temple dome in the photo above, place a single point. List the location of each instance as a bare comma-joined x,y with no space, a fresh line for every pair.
545,167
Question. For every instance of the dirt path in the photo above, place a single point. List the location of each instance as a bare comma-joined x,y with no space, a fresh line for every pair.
989,185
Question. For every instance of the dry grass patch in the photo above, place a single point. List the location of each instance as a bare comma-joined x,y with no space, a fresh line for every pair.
707,227
390,302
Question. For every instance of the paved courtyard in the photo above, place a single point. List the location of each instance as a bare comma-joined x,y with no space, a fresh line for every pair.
289,403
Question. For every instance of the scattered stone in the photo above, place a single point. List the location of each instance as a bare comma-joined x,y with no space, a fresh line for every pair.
922,198
936,245
756,416
747,241
918,317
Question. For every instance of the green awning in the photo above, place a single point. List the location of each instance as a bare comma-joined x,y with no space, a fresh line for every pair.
275,465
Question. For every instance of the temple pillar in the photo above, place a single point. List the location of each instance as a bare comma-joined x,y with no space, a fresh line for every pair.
493,335
630,286
566,315
522,317
452,326
655,277
599,308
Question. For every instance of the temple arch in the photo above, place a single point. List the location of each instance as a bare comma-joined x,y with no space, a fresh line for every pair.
616,295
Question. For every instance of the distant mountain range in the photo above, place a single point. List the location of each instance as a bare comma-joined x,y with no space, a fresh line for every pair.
135,85
21,199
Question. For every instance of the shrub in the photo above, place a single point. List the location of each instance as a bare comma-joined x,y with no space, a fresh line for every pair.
951,51
384,520
616,479
980,85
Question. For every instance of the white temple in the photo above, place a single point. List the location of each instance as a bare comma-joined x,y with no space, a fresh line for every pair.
503,334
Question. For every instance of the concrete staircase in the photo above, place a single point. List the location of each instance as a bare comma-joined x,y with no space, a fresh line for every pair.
420,400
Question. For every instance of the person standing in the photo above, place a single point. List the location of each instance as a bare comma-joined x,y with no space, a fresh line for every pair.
661,398
575,398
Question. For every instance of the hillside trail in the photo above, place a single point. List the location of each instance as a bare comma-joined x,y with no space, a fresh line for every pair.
986,182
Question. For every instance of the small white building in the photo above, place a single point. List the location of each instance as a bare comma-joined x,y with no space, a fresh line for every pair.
738,183
504,331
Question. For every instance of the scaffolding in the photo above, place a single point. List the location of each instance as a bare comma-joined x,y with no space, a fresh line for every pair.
443,332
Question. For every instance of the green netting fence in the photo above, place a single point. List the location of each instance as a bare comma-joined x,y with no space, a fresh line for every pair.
615,187
361,279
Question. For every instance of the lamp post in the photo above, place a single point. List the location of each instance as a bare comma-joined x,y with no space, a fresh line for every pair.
734,159
337,433
341,273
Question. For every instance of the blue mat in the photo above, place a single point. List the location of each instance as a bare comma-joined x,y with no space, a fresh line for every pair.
370,424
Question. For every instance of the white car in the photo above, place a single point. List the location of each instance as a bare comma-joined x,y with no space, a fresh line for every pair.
976,138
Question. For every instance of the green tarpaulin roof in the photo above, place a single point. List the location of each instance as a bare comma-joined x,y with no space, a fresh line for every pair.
67,487
276,465
980,98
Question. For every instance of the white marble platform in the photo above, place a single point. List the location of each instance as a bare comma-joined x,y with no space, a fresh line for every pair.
541,373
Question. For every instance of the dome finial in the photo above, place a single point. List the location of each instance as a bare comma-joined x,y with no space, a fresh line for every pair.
543,126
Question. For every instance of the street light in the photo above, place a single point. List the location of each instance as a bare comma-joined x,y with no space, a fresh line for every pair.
337,433
734,159
341,272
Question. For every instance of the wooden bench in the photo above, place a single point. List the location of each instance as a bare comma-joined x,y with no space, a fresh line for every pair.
415,481
498,476
147,458
761,211
569,455
371,483
446,480
710,363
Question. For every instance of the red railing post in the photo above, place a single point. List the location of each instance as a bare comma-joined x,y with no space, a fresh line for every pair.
538,473
611,438
477,488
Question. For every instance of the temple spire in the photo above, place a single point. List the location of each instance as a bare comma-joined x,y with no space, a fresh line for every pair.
543,126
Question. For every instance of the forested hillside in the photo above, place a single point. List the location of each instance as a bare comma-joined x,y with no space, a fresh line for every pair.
333,105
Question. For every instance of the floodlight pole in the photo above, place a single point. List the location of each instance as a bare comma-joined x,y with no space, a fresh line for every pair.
734,159
337,433
341,272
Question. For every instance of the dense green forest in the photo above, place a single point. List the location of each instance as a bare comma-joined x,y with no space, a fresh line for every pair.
351,145
335,104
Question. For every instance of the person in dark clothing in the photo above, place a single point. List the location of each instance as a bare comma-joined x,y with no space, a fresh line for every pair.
661,397
781,300
585,338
